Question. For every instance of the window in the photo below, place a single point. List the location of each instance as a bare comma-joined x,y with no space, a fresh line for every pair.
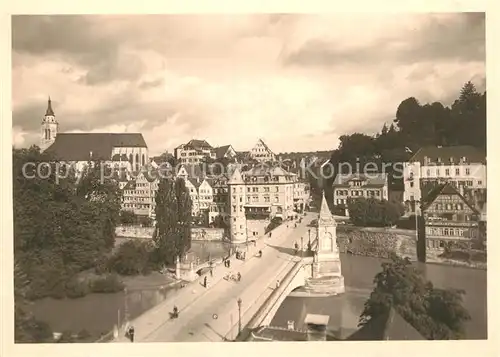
479,182
469,183
241,199
467,171
457,171
411,184
276,199
248,189
277,189
446,232
437,172
447,172
234,208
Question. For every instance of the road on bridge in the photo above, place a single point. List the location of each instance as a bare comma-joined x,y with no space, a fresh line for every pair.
214,316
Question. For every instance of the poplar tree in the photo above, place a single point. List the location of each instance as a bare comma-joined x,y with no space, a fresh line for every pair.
173,220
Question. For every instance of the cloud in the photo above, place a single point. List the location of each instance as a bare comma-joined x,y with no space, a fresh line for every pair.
440,38
297,81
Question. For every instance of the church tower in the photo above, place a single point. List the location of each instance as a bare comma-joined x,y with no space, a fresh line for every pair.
327,272
237,200
49,127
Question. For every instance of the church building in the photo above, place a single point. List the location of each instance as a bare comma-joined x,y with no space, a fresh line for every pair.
124,150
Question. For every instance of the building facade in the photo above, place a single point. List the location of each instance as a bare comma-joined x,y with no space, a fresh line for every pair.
462,166
261,152
449,217
374,185
194,152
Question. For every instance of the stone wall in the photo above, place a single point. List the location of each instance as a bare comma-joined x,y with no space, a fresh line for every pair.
376,242
207,234
197,233
134,232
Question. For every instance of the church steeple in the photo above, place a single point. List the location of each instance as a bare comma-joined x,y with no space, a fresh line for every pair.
49,127
325,215
49,111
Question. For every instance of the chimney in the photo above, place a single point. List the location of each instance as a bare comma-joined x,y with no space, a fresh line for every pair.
426,160
90,154
291,324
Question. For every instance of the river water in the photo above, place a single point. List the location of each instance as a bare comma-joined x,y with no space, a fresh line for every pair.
344,311
98,313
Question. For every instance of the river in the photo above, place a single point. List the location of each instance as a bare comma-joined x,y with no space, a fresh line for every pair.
359,272
97,313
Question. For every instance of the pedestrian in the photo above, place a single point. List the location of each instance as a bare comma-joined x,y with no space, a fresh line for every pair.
131,333
229,263
211,272
277,284
205,281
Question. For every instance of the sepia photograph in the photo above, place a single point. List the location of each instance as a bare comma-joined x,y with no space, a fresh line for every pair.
264,177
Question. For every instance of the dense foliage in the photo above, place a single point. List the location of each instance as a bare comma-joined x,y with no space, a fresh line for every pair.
438,314
61,225
374,213
132,258
415,125
173,221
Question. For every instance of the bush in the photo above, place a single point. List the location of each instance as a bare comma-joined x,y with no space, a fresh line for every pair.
374,213
76,289
108,284
131,258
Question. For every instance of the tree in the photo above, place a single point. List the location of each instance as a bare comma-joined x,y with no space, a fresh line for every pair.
131,258
97,187
374,213
128,217
173,217
437,314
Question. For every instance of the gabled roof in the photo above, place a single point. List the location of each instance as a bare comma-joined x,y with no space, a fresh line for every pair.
389,326
445,153
78,146
221,151
265,145
443,189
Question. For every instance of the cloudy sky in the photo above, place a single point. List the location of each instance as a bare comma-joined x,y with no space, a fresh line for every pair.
298,82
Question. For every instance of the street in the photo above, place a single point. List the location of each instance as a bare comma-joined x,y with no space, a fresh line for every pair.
214,316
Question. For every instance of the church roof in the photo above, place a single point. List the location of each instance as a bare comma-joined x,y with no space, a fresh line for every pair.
78,146
389,326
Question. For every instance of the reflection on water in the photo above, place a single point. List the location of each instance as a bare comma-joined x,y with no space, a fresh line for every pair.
359,272
98,313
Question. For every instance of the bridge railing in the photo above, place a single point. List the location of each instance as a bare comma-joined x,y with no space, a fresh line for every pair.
274,298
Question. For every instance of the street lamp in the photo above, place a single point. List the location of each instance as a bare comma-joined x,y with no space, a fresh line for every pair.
239,315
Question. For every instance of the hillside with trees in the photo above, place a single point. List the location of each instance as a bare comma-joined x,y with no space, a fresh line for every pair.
416,125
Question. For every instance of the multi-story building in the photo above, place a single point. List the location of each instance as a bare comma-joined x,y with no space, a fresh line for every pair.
368,185
219,206
301,195
194,152
139,194
225,152
258,195
462,166
261,152
449,217
121,150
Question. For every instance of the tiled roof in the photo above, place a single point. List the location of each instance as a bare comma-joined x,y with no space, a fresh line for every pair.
199,144
443,189
448,154
263,170
77,146
221,151
265,145
389,326
130,185
372,179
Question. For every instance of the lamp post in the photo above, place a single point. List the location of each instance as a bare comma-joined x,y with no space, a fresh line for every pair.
301,247
239,315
